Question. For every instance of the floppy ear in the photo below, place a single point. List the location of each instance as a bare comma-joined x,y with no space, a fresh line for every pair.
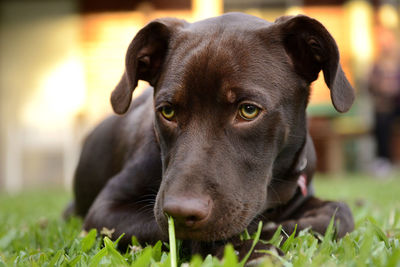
144,60
312,49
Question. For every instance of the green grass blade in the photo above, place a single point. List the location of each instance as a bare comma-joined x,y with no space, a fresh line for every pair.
196,261
166,260
55,260
94,262
365,248
255,241
277,237
134,241
115,245
245,235
230,257
144,259
172,242
88,241
74,261
289,241
330,230
156,254
115,256
208,262
381,235
6,240
394,260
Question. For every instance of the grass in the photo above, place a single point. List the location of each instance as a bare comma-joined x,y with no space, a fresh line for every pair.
172,242
32,233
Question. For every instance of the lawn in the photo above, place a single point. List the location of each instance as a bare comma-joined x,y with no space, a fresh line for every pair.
32,233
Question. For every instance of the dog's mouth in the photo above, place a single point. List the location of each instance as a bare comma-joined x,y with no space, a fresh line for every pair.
207,234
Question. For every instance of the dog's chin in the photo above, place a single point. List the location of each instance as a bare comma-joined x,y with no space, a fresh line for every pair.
205,236
210,233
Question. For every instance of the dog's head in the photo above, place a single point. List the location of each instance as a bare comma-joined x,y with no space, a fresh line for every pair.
230,95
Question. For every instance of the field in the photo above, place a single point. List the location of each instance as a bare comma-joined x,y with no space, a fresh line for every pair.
33,234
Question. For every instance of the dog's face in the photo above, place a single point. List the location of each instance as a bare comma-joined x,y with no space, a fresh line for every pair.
229,102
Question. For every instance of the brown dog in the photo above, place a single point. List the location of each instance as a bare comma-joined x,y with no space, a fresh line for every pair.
220,141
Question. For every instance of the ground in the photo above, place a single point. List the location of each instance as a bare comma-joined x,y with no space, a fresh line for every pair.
33,234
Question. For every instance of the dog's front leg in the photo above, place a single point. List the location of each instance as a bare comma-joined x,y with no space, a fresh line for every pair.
315,214
126,205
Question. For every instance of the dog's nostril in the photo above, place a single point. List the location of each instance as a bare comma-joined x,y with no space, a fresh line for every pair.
191,220
270,210
190,212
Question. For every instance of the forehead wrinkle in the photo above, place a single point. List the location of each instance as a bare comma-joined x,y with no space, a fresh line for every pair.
254,93
206,66
174,93
182,48
163,95
216,48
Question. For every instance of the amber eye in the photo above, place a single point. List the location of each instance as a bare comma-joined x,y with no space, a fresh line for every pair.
248,111
168,112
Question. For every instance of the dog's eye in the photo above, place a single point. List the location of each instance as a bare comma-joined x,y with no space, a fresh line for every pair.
168,112
248,111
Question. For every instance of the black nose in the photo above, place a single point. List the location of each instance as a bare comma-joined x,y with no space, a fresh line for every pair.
191,212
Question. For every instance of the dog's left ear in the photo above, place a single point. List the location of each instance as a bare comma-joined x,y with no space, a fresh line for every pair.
144,59
312,49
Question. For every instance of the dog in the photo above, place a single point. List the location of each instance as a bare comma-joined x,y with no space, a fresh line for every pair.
219,141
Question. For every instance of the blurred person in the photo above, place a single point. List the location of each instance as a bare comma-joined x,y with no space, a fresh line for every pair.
384,86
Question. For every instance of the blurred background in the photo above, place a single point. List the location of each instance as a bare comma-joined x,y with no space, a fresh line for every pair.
59,61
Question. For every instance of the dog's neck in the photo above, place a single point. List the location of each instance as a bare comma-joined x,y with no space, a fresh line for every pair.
289,176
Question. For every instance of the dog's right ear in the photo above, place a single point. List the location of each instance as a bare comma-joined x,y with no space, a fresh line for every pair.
144,59
312,49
